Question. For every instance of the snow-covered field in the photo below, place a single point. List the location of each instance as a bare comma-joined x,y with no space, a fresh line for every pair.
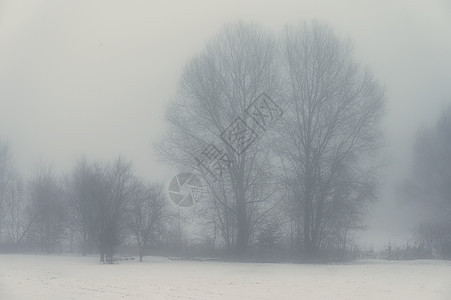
66,277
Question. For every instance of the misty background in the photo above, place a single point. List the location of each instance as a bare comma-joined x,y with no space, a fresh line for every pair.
96,77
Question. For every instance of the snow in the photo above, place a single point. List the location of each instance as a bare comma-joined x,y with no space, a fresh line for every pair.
69,277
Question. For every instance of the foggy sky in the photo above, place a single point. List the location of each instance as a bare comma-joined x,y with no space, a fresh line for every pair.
95,77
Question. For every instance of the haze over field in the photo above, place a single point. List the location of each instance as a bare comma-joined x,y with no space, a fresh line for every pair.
169,149
96,78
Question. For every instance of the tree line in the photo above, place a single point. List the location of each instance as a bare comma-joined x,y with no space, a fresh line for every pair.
285,132
95,208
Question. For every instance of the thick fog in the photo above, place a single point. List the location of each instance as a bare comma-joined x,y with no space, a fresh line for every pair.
96,77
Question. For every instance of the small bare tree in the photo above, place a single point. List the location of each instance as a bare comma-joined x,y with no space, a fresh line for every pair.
429,185
18,216
432,166
8,177
48,210
84,184
100,193
147,211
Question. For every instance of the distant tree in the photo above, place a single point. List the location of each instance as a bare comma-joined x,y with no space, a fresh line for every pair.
330,127
120,180
85,183
18,216
434,238
431,176
100,195
48,209
8,176
147,212
269,236
16,211
430,182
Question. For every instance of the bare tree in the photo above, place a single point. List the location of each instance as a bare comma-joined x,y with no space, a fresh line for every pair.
48,210
146,214
215,89
18,216
120,180
432,166
83,186
331,123
16,210
8,177
100,194
429,185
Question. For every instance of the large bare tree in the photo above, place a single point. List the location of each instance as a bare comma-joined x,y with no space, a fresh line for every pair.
331,124
216,88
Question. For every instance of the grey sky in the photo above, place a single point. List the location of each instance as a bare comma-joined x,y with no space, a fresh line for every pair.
95,76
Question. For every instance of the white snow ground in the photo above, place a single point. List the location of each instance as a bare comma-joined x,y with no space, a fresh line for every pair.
67,277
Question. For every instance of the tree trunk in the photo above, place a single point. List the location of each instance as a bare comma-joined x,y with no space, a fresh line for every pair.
141,252
84,246
102,253
308,212
242,222
308,247
242,235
